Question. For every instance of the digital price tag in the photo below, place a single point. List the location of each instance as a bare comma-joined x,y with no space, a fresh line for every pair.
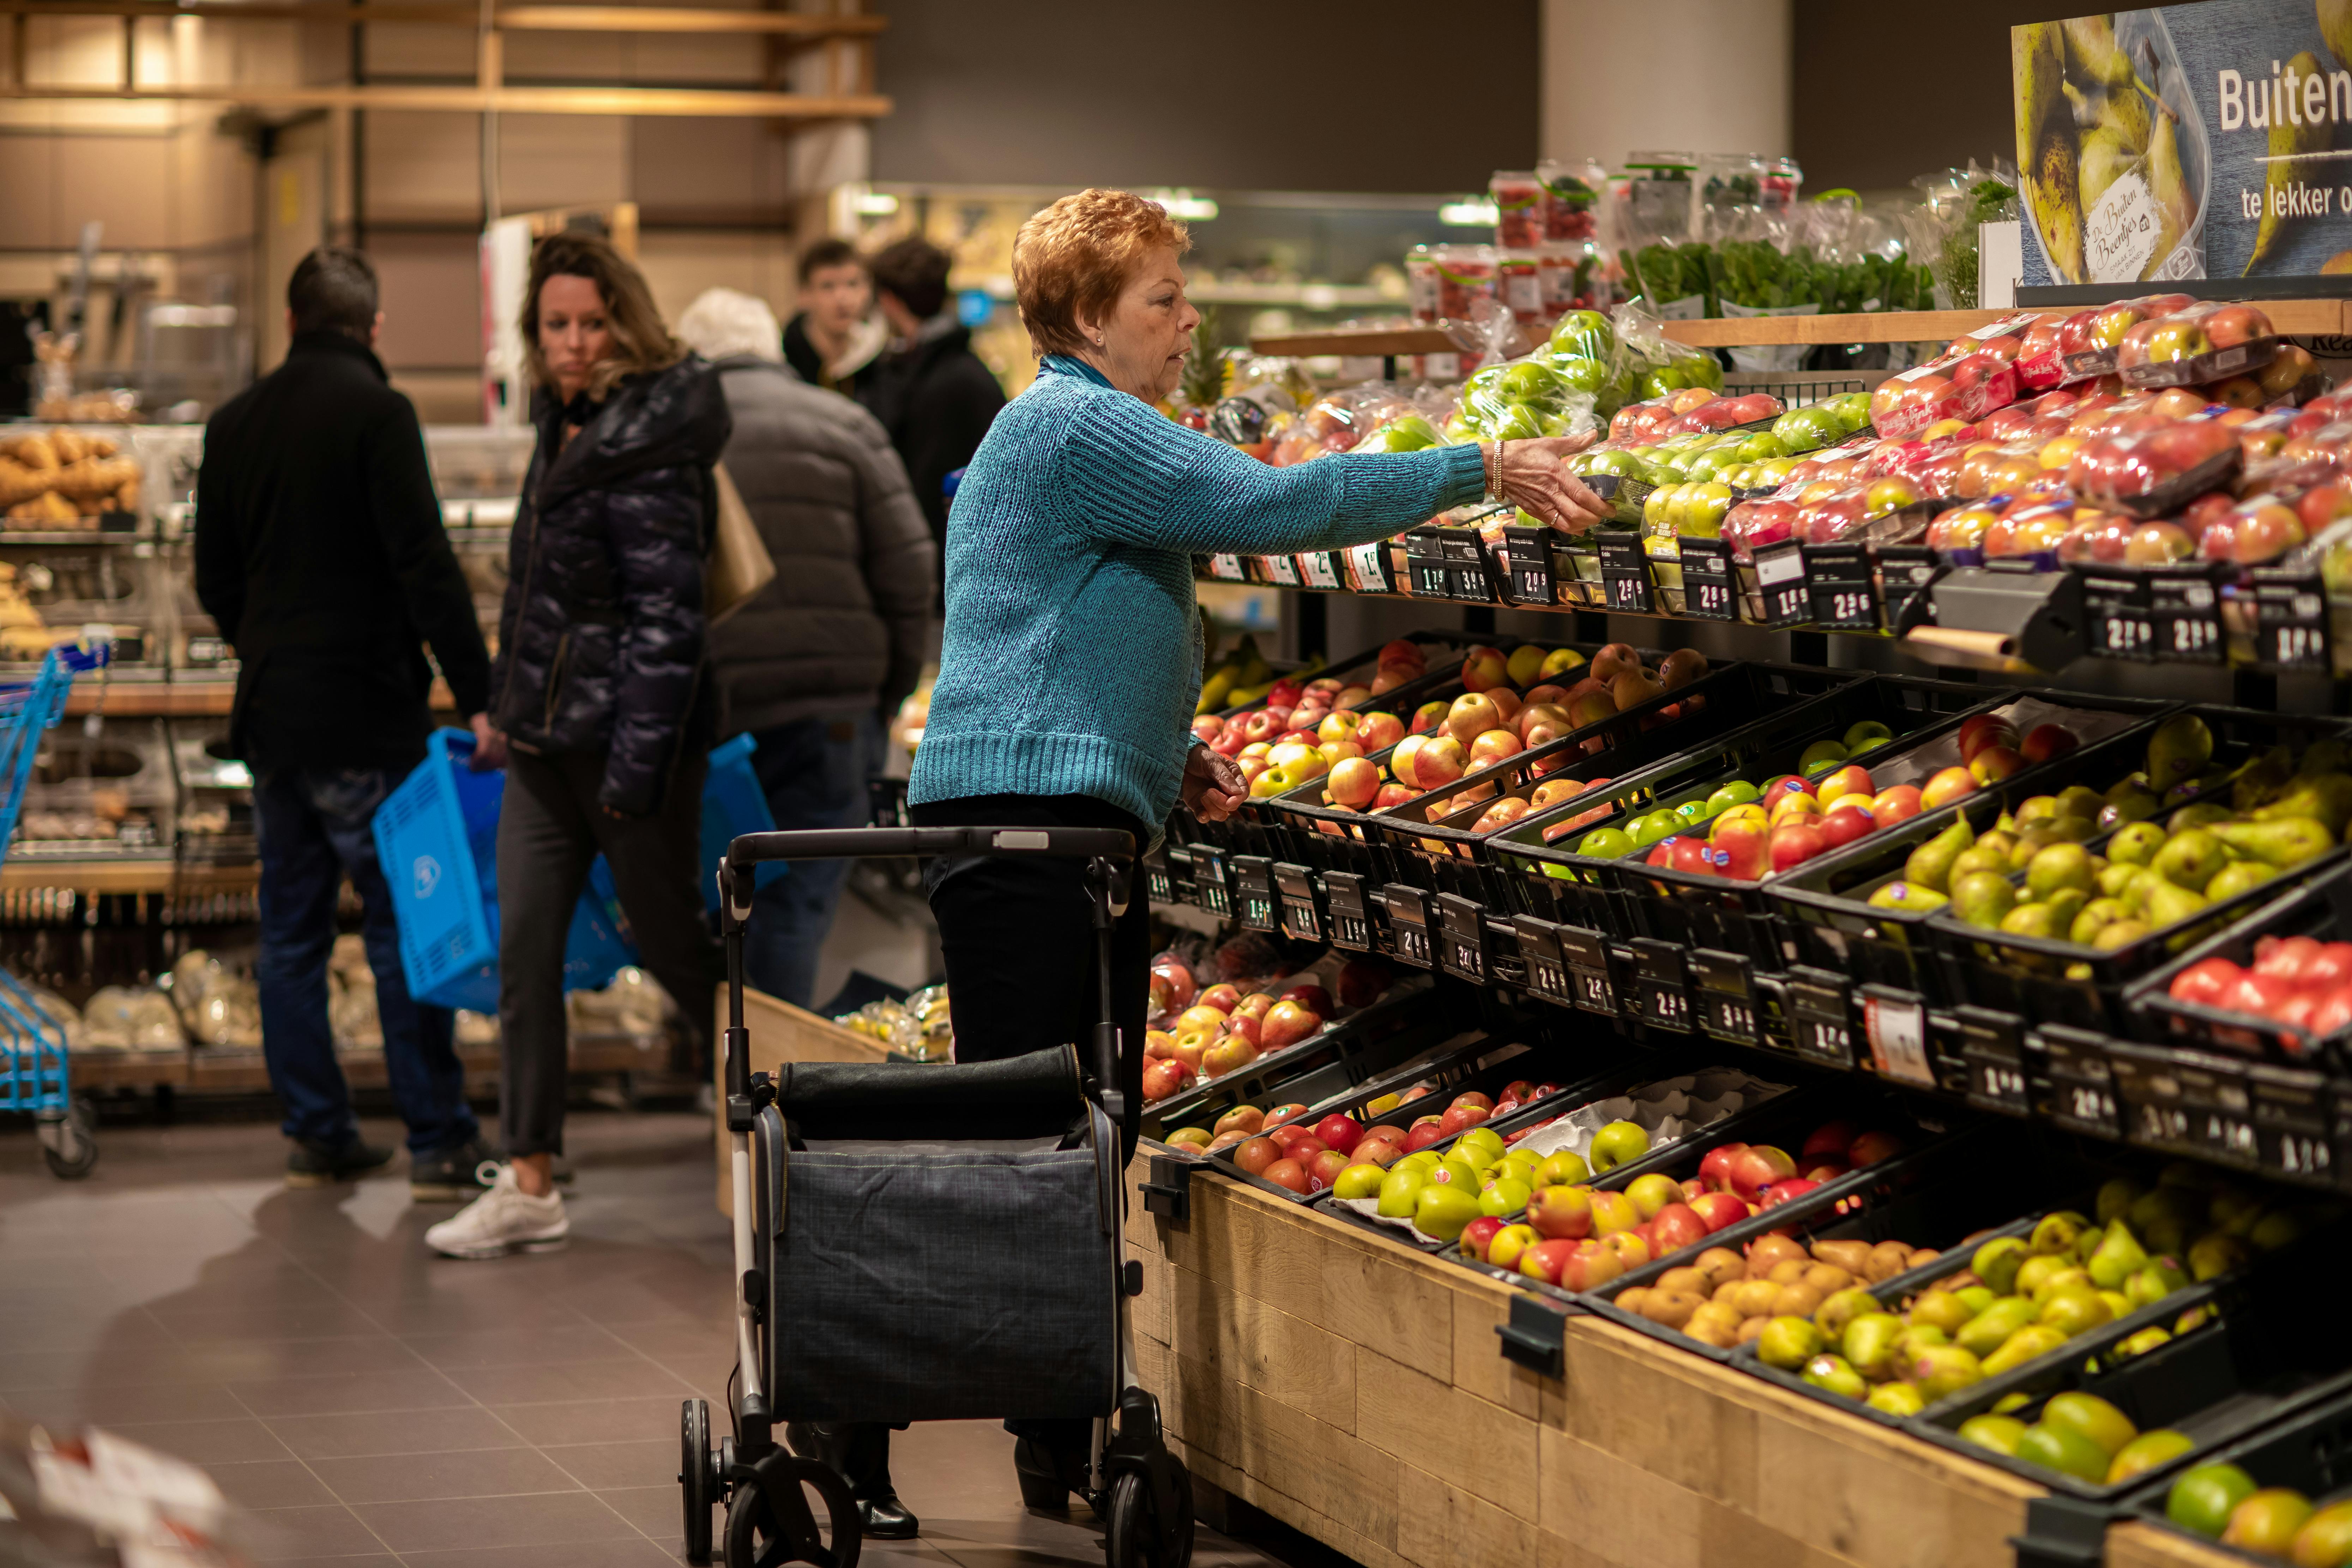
2184,611
1725,1016
1665,1006
1819,1009
1906,572
2220,1112
1351,920
1994,1046
1586,954
1540,952
1158,884
1367,568
1258,910
2293,1124
2291,621
1710,586
1823,1039
1227,569
2081,1085
1723,996
2116,606
1315,571
1295,886
1431,579
1626,573
1780,573
1281,570
1463,947
1897,1032
2000,1084
1841,589
1409,925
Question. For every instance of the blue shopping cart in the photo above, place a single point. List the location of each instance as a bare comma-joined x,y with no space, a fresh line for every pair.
36,1060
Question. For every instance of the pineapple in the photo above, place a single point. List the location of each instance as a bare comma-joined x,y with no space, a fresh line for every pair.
1205,374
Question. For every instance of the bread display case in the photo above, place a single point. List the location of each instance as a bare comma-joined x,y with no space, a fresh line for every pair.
215,825
108,795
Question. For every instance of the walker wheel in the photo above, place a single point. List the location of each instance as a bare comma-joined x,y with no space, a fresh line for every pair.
69,1142
1134,1534
694,1476
770,1521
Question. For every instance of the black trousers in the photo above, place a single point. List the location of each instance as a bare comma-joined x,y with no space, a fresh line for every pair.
550,828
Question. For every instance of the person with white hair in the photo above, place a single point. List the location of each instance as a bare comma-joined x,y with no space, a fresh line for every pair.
814,664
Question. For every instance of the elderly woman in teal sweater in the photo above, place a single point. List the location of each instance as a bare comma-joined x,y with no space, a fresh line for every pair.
1072,655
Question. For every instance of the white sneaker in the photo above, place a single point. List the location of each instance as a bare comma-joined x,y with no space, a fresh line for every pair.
504,1219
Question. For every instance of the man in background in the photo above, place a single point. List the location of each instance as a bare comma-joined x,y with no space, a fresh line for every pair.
834,341
321,554
931,392
811,666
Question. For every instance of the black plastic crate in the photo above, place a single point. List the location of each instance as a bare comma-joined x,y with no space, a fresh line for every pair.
1335,839
1823,905
1374,1038
2248,1363
2320,909
2082,987
1913,1198
2305,1444
1555,882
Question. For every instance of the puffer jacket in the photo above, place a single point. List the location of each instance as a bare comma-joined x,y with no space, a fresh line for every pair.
601,639
844,625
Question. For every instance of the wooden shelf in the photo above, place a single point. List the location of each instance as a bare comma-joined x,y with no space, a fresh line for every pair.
153,698
2293,318
24,874
204,1070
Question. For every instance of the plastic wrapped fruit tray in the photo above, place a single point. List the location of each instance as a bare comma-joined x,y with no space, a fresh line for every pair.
2254,1358
2305,1445
1824,905
2053,981
1373,1039
1553,881
1627,1080
2322,910
1482,1063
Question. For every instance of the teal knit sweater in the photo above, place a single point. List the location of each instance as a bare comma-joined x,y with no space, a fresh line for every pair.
1072,655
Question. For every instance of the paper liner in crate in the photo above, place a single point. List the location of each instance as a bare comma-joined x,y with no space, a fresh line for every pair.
1669,1111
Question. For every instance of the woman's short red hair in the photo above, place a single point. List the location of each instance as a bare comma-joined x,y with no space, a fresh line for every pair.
1074,257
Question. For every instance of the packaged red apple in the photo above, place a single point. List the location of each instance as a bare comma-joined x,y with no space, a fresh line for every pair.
2031,529
1889,510
2199,342
2110,539
2258,532
2042,357
1753,524
1966,385
2090,339
2150,472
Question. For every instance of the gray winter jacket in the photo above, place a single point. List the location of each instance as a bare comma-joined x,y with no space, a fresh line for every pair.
845,624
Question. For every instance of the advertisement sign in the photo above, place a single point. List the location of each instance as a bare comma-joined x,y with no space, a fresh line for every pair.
2201,141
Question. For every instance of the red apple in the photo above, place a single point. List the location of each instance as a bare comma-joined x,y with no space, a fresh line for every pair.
1781,1192
1562,1212
1947,787
1715,1169
1872,1147
1900,804
1830,1141
1182,988
1289,1133
1591,1265
1424,1131
1994,763
1846,823
1224,998
1228,1055
1286,1024
1325,1168
2044,742
1380,731
1314,998
1162,1079
1757,1167
1340,1131
1477,1234
1983,729
1255,1154
1473,1096
1459,1117
1283,1114
1545,1259
1795,842
1483,669
1675,1227
1208,727
1287,1174
1719,1209
1253,1006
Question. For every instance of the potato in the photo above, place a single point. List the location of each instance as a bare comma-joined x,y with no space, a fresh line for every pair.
1674,1309
1850,1255
1718,1264
1684,1279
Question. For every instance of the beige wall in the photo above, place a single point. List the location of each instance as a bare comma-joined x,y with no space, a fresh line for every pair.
1691,76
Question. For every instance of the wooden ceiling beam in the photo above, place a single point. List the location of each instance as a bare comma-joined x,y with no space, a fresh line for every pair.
509,18
708,102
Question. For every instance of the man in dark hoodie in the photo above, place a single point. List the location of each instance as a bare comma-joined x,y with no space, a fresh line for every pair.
319,551
833,340
930,392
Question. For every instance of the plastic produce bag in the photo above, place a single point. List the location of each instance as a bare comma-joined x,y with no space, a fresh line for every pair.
1650,364
1942,230
1524,398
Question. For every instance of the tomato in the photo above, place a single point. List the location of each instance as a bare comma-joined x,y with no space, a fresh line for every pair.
2296,1010
2261,994
2331,967
2285,960
2204,984
2333,1013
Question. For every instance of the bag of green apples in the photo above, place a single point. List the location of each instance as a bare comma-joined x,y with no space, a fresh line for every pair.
1521,399
1647,363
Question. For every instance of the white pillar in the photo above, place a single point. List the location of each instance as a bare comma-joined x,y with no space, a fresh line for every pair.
1690,76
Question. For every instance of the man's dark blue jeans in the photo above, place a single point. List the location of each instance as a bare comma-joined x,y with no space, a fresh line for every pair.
314,825
814,772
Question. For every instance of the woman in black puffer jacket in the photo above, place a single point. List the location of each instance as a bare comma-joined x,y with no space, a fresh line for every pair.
598,691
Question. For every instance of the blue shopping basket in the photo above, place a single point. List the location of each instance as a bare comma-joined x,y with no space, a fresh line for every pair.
36,1060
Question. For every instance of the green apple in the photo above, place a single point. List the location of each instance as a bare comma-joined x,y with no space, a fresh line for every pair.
1619,1143
1866,730
1359,1182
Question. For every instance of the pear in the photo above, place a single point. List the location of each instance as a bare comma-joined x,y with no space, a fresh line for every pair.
2060,866
2195,813
2034,809
2153,1282
2286,170
2095,916
2087,1245
1996,1263
2325,798
2142,1342
1869,1342
2027,1343
1977,1297
1998,1433
1836,1314
2135,845
1896,1399
2217,1254
2261,780
2274,1230
2037,920
2117,1197
2032,841
1836,1374
2188,860
2180,747
2238,877
2076,1310
1980,857
2169,181
1930,865
2066,906
1989,1330
1983,898
2120,1256
2093,53
1943,1309
2080,800
1938,1372
2045,144
2283,841
2116,877
2056,1232
2167,904
1902,895
2136,805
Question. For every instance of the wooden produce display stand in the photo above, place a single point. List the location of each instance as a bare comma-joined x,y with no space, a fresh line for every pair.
2146,1546
1312,1369
780,1033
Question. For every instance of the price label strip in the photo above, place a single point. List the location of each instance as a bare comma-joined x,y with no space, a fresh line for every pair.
1315,571
1906,572
1281,570
1842,590
1626,573
2185,613
1780,573
1710,586
1529,556
1897,1032
1227,569
2291,622
1665,1006
2120,624
1367,568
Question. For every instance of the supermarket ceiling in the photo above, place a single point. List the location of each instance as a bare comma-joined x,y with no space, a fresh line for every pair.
1235,94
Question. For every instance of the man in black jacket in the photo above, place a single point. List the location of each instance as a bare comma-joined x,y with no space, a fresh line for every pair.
319,551
931,392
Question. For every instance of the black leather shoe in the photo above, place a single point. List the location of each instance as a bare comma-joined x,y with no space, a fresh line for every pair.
886,1519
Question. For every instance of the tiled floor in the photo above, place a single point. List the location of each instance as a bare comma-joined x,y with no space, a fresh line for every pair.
374,1405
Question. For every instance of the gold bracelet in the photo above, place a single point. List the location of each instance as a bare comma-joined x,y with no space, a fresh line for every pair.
1494,460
